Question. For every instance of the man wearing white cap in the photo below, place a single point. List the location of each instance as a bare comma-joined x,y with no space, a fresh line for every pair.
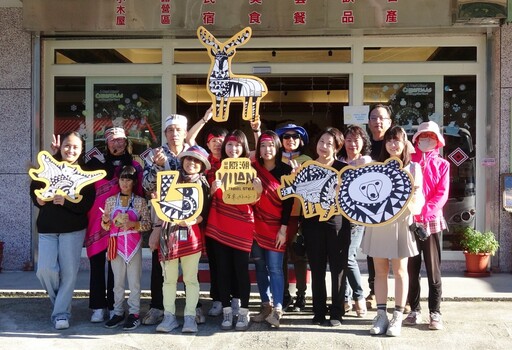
164,158
436,183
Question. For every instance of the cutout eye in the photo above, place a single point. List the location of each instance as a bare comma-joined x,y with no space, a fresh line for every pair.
377,183
363,187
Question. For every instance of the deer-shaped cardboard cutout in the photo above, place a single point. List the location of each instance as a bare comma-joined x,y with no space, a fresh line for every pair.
224,86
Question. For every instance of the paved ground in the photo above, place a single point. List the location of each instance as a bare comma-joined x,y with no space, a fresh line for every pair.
477,315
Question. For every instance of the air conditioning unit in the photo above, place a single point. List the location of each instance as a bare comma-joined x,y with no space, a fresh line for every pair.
483,13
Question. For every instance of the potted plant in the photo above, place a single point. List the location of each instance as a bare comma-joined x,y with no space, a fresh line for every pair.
478,247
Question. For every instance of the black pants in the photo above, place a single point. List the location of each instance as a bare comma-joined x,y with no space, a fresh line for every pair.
300,263
431,249
101,294
232,268
371,274
212,264
157,281
324,244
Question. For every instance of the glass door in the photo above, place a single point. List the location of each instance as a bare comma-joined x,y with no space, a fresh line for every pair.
450,101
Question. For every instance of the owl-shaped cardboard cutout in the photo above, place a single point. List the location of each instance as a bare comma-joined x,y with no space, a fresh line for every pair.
371,195
62,178
225,87
236,176
176,202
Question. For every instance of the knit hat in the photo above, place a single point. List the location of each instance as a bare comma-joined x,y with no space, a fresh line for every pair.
114,133
176,119
292,127
197,152
429,126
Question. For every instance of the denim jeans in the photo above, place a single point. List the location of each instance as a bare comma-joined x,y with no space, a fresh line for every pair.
269,274
354,290
57,268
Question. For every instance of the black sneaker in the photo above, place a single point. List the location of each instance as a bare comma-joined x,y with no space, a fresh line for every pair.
287,301
132,322
114,321
299,305
319,320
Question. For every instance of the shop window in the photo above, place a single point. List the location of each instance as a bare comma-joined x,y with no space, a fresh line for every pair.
135,107
283,55
419,54
103,56
413,103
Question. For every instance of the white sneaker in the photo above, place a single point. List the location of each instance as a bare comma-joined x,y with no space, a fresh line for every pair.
62,323
380,323
168,324
227,322
216,309
235,306
242,322
98,315
200,319
189,325
395,325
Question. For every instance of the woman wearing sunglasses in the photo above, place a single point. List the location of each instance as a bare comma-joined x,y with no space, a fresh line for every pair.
294,139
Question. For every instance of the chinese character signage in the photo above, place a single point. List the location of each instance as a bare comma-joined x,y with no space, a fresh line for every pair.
285,17
236,176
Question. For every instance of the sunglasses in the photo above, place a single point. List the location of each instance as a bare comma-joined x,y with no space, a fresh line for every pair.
289,136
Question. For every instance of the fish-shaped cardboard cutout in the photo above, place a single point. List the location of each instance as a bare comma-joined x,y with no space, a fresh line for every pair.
236,176
225,87
176,202
315,185
62,178
375,193
372,194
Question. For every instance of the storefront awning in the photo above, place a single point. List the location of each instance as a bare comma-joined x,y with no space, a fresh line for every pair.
266,17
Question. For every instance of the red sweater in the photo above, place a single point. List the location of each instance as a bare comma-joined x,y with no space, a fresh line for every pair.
231,225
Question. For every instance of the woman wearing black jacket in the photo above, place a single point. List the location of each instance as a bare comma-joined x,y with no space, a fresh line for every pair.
61,225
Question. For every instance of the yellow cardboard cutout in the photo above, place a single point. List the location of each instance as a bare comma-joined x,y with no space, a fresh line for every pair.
236,176
315,185
373,194
177,202
225,87
62,178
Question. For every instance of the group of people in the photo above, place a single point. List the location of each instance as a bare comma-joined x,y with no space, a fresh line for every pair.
114,213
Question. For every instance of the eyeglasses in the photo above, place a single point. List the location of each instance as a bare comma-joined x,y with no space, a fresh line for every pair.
289,136
374,119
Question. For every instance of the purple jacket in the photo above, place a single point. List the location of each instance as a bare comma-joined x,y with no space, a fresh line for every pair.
436,183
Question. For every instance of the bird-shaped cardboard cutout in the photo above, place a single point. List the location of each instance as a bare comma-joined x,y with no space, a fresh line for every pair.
62,178
176,202
371,195
222,85
236,175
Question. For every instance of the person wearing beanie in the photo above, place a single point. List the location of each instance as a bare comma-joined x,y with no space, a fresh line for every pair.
164,158
117,155
183,243
436,184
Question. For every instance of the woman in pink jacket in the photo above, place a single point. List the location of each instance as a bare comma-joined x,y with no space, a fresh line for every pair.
436,181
